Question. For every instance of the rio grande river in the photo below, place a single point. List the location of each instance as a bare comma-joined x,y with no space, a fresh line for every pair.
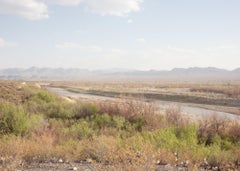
190,111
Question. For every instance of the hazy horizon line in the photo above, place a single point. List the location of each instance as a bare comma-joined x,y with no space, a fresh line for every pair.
129,69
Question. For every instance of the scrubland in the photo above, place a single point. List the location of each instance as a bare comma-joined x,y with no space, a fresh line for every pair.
37,126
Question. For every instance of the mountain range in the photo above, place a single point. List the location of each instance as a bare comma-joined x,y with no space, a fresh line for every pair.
75,74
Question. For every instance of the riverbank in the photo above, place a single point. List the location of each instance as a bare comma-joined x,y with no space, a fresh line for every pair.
230,102
193,110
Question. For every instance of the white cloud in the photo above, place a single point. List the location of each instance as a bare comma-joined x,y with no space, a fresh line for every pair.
4,43
38,9
117,51
113,7
141,40
67,45
105,7
30,9
71,45
129,21
65,2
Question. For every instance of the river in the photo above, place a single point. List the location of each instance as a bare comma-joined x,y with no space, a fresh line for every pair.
188,110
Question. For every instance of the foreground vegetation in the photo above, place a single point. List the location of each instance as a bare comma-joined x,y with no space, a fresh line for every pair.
128,134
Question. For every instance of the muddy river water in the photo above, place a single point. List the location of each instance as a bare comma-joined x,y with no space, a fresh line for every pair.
188,110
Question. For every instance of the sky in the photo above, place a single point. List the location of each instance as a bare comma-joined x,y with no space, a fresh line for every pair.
114,34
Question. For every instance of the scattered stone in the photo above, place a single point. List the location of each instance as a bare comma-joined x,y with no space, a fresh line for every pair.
168,167
60,160
74,168
2,160
204,164
237,163
130,160
185,163
89,161
53,160
138,154
161,162
176,156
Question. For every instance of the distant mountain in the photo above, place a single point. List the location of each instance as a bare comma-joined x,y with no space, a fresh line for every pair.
198,70
186,74
194,73
237,70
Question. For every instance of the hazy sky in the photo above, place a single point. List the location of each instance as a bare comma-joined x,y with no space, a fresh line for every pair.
133,34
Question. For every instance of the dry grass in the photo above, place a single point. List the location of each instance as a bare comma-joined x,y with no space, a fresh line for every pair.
108,152
129,108
229,90
162,139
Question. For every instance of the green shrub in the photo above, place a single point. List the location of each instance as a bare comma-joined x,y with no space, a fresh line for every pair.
45,103
70,143
166,138
35,106
59,109
138,122
38,123
40,95
187,134
118,122
100,121
38,102
216,140
82,110
57,125
80,129
226,144
45,96
13,119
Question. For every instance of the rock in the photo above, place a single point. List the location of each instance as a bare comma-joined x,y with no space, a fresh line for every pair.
60,161
161,162
2,160
89,161
138,154
168,167
237,163
53,160
73,168
184,163
129,160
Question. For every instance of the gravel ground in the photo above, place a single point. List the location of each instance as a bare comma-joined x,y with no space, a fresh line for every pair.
50,166
59,167
86,167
